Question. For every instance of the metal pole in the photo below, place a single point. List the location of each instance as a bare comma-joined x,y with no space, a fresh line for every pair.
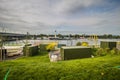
1,45
1,53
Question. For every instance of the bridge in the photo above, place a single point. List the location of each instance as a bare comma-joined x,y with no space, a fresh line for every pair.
12,36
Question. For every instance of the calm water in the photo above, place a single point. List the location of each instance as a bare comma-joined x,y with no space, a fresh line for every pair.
67,42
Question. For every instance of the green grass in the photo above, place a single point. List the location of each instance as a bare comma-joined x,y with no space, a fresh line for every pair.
39,68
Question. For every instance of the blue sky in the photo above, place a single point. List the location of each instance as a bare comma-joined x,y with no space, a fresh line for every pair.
65,16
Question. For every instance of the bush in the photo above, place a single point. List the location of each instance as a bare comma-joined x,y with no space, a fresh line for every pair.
43,47
102,52
84,44
105,51
78,44
115,51
51,46
94,51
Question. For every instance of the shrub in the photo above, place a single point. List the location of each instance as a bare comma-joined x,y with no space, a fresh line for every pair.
51,46
102,52
43,47
105,51
78,44
94,51
115,51
84,44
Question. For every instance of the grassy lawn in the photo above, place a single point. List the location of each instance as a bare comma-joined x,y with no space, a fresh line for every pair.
39,68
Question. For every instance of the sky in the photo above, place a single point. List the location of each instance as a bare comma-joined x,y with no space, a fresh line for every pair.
64,16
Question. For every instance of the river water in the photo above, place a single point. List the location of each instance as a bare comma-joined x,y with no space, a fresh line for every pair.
67,42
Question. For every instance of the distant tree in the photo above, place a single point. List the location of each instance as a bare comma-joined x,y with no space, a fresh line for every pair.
105,36
35,36
51,35
110,36
70,35
76,36
28,36
59,35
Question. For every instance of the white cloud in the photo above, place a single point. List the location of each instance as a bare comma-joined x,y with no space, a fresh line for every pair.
72,6
43,16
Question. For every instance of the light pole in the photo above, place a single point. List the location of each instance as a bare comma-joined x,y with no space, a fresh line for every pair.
55,33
